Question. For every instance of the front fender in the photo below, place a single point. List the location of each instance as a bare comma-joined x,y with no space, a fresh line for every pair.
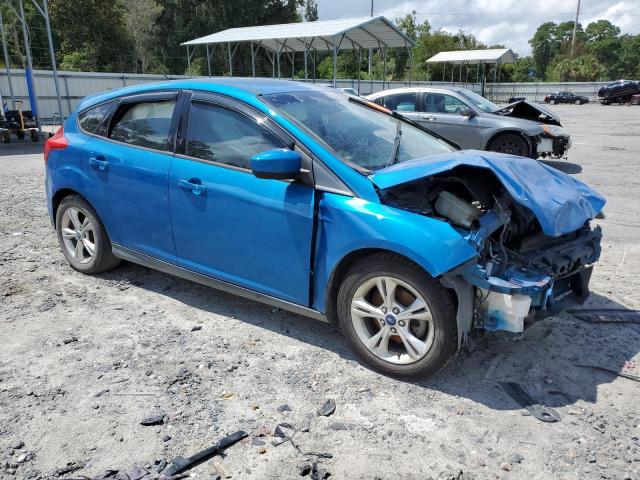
347,224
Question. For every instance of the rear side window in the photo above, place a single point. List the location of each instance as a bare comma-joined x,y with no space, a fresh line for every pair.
401,102
92,120
144,124
221,135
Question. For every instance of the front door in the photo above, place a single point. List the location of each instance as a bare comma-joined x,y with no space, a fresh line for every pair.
228,224
127,169
441,113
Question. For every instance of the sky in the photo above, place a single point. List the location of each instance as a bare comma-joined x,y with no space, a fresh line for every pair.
508,22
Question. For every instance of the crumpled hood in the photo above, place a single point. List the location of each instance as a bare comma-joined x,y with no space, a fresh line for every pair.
530,111
561,203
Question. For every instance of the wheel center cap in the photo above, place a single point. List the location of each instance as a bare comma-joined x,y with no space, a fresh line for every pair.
78,235
390,319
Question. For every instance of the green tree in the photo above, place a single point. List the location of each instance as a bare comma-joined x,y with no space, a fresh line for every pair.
140,20
603,41
310,10
584,68
92,33
544,47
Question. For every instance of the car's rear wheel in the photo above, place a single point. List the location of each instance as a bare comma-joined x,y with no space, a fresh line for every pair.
510,143
552,101
82,237
398,320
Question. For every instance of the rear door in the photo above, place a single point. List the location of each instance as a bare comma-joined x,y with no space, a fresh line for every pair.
228,224
127,168
441,113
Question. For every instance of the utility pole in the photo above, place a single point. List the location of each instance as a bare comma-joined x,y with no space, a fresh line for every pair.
371,49
575,28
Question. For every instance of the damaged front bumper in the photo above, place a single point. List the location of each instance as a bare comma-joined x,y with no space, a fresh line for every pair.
547,281
548,146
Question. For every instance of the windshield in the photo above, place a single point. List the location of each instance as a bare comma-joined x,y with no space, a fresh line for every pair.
480,102
356,133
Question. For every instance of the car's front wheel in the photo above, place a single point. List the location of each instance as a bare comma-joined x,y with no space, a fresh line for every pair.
399,320
552,101
82,237
510,143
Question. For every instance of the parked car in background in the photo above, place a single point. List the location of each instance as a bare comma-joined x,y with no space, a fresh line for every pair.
619,91
322,204
565,97
521,128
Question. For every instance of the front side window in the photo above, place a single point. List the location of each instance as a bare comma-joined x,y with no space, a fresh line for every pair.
92,120
356,133
145,124
479,101
443,103
401,102
221,135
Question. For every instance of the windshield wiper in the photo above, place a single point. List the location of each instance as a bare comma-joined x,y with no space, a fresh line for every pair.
393,157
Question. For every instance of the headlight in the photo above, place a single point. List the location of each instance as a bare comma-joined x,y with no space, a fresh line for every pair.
553,130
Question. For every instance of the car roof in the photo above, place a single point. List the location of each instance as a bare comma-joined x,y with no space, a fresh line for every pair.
419,89
238,86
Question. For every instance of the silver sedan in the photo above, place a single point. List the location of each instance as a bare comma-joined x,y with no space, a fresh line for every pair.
521,128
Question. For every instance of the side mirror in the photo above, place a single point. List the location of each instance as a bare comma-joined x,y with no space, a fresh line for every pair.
467,112
280,163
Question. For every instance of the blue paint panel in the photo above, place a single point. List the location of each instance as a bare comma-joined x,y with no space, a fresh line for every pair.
561,203
252,232
348,224
131,195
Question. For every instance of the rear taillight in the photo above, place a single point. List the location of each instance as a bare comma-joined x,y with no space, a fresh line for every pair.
57,142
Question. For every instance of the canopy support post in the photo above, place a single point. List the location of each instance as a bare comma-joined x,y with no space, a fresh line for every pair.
410,51
253,61
305,61
335,61
230,59
460,76
359,67
7,65
208,60
188,61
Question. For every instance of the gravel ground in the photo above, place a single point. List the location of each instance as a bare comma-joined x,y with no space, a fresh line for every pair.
85,359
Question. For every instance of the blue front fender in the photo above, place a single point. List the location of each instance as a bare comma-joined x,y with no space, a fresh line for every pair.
347,224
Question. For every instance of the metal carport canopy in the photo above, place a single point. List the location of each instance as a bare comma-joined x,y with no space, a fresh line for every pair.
347,33
490,55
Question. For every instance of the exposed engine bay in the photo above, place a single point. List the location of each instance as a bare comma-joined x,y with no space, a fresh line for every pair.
520,272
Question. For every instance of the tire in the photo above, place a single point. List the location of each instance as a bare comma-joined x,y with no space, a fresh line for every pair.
433,328
578,102
34,136
79,230
6,138
635,101
510,143
552,102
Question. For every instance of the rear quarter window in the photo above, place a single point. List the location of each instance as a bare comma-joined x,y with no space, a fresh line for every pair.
93,119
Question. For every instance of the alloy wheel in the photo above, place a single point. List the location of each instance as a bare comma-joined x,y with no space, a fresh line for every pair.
392,320
78,235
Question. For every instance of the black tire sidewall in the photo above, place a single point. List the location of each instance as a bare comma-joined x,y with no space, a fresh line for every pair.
439,300
103,258
515,138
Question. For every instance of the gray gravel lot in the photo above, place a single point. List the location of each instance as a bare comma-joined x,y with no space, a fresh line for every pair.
85,359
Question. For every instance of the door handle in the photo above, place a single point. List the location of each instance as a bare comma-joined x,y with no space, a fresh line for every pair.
99,162
428,117
195,188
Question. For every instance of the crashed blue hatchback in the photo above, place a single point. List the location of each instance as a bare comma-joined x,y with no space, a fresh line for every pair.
323,204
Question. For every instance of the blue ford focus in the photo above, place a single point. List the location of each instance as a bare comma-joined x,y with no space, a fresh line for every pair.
323,204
